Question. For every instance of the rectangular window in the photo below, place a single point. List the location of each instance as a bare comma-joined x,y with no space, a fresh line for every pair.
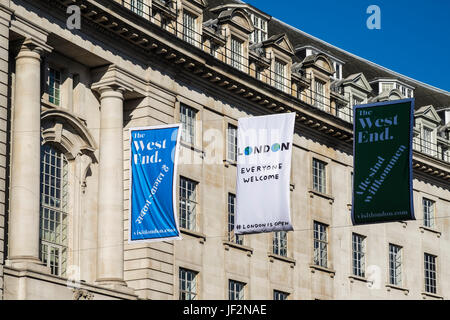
235,290
359,255
54,86
395,265
320,245
427,145
236,54
386,86
188,203
319,98
187,118
319,176
430,273
231,218
280,76
188,284
137,6
337,73
280,295
189,28
53,210
260,33
280,243
428,213
232,143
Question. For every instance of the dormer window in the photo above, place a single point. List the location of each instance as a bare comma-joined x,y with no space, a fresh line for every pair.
137,6
236,53
189,27
386,86
280,72
260,33
427,140
338,70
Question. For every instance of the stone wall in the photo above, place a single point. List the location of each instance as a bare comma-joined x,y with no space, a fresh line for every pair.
5,17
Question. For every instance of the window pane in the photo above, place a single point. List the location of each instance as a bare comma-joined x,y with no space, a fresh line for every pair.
232,142
187,284
320,244
187,204
53,211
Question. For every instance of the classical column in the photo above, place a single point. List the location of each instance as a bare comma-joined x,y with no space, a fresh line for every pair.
110,188
25,157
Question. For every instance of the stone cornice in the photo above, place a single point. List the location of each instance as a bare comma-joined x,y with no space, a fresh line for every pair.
32,33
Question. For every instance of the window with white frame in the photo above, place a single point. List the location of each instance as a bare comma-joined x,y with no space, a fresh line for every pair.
428,212
395,265
280,295
359,255
337,71
236,53
187,284
386,86
187,119
320,244
260,33
319,176
137,6
280,243
235,290
319,96
189,27
188,203
427,145
280,75
355,102
430,273
231,220
54,86
54,209
232,143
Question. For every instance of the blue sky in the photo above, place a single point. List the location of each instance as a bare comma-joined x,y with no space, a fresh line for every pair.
414,38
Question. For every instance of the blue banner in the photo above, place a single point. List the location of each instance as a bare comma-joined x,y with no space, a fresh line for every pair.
152,177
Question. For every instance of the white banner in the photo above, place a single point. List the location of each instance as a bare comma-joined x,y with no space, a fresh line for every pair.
263,174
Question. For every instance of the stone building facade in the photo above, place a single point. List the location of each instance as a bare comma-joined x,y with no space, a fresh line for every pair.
69,96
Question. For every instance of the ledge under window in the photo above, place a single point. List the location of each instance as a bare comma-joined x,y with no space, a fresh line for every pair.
228,163
230,244
313,192
273,256
358,278
192,148
432,230
323,269
431,295
389,287
195,234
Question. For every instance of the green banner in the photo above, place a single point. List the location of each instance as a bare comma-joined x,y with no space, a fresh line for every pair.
382,162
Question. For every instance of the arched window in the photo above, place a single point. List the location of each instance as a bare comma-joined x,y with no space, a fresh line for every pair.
54,209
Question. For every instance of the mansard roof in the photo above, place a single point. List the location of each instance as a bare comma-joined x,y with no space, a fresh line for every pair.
424,94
